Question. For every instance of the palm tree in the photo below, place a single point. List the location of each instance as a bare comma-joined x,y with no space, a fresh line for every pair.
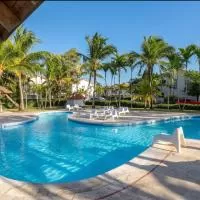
171,70
120,62
24,63
197,54
186,53
145,93
154,49
105,67
132,64
7,54
98,51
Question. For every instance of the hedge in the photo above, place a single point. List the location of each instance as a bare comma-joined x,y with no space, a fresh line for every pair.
124,103
127,103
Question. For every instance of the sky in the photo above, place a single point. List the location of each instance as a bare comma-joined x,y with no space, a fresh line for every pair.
62,25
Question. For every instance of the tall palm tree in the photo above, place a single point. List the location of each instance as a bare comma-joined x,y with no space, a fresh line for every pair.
98,51
132,64
197,54
24,62
105,67
186,54
120,62
154,49
170,69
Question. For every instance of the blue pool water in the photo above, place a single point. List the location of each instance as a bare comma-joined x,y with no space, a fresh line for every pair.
55,150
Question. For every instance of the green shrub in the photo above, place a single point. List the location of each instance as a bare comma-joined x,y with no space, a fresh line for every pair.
127,103
165,106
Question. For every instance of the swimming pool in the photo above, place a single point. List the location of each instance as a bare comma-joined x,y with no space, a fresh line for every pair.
55,150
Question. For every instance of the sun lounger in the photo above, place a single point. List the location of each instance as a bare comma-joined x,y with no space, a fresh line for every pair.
68,107
177,138
121,110
126,110
77,107
115,114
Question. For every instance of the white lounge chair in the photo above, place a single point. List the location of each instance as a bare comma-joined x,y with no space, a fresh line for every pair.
177,138
115,114
77,107
93,114
126,110
121,110
68,107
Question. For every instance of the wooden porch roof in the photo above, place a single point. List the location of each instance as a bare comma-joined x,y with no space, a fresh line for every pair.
13,13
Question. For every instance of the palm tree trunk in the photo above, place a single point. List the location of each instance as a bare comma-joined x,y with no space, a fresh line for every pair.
90,77
111,90
50,105
150,85
46,97
93,100
105,91
37,99
186,65
168,100
21,104
11,100
199,65
105,75
178,92
199,72
131,86
119,97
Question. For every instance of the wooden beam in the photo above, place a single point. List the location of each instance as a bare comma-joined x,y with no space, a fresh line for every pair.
7,18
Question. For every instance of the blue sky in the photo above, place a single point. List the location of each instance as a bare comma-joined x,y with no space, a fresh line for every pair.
62,25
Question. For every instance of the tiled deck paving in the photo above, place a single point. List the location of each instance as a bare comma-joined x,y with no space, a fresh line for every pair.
157,173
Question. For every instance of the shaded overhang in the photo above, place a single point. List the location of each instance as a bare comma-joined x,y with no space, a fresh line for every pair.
13,13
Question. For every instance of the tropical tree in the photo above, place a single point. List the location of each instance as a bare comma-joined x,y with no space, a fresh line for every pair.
7,54
186,54
153,50
170,70
98,50
194,85
105,67
120,62
146,93
24,62
197,54
132,63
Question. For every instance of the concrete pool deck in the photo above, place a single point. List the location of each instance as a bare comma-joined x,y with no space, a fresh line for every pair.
157,173
132,118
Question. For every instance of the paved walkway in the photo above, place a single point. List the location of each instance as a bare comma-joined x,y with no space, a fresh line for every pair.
157,173
10,117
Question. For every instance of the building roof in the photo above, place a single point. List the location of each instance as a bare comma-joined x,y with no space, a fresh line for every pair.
77,96
4,90
13,13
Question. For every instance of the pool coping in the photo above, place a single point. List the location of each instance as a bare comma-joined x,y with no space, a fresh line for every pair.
98,122
34,118
131,123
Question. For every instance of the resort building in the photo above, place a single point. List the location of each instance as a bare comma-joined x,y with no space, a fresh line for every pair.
82,86
114,90
179,87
